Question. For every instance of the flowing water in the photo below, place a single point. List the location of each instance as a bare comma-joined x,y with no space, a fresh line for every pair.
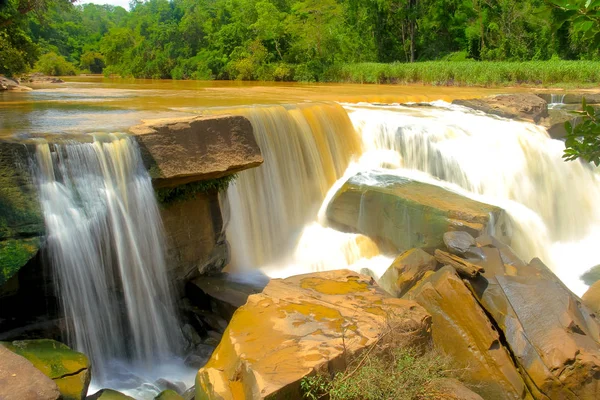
105,244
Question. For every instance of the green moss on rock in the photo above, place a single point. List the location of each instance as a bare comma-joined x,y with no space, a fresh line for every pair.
15,253
168,395
187,191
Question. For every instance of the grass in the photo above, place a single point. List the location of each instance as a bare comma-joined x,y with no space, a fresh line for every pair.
388,369
471,73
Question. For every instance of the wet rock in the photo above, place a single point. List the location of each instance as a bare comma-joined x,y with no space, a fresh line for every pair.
69,369
11,84
38,77
404,213
406,270
573,98
177,387
191,336
591,298
524,106
455,390
21,221
458,243
108,394
555,122
462,330
20,380
184,150
553,338
168,395
300,325
190,394
592,276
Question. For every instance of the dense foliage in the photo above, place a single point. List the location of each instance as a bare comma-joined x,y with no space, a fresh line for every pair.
285,39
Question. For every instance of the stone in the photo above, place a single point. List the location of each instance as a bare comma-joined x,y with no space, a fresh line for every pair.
177,387
555,122
449,388
191,149
401,213
302,325
552,336
20,380
406,270
168,395
573,98
38,77
108,394
69,369
462,330
11,84
524,106
591,298
592,276
21,220
458,243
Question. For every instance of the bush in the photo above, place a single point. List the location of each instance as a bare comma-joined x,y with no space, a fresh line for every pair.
54,65
92,61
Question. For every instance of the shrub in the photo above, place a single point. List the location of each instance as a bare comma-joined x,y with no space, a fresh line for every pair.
54,65
92,61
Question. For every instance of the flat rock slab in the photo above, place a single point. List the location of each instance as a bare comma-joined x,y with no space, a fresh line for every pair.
301,325
20,380
525,106
184,150
405,213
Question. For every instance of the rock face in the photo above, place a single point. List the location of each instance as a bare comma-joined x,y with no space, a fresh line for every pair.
300,325
406,270
528,107
70,370
554,339
463,331
20,380
555,122
591,298
592,276
405,214
186,150
21,221
11,84
108,394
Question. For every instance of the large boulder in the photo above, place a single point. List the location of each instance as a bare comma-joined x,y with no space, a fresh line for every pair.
184,150
69,369
11,84
300,325
405,213
524,106
406,270
20,380
108,394
462,330
21,221
591,298
552,336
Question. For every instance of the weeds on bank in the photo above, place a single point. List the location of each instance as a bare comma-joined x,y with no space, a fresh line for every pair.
386,370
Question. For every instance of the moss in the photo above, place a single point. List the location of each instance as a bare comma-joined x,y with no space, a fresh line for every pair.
167,196
14,253
168,395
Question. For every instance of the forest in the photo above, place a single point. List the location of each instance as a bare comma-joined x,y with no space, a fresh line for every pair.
293,40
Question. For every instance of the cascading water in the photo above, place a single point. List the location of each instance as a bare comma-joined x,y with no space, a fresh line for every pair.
106,248
556,100
512,164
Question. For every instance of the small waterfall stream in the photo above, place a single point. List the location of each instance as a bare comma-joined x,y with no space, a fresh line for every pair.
105,244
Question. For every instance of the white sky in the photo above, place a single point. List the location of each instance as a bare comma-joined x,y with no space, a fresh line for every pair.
122,3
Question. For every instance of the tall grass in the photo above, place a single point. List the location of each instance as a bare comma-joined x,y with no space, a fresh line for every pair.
470,73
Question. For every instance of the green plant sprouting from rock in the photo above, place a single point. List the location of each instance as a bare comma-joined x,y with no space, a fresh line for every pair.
187,191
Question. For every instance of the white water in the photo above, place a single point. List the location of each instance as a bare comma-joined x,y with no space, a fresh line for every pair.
511,164
556,100
105,243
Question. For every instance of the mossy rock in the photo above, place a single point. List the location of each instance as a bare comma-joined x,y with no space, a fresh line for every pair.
14,254
108,394
69,369
168,395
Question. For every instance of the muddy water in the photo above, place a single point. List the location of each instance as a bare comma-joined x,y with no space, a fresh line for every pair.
91,104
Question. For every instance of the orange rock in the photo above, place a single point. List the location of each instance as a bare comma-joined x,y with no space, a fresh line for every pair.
406,270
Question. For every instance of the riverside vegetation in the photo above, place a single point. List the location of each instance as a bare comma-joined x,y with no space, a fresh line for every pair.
372,41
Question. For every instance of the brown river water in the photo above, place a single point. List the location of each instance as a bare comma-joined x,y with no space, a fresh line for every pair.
92,104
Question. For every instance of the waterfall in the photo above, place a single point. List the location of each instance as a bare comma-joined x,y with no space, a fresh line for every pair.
556,100
105,244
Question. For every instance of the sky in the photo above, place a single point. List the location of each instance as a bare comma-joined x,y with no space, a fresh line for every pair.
122,3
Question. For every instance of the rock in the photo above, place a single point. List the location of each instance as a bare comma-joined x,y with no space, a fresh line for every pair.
453,389
553,338
524,106
184,150
458,243
194,237
190,394
301,325
227,292
11,84
21,221
591,298
406,270
404,213
462,330
70,370
108,394
20,380
38,77
555,122
177,387
592,276
168,395
573,98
